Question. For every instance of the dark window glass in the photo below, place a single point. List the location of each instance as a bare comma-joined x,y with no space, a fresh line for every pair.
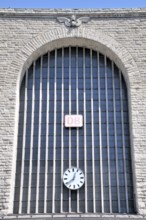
73,80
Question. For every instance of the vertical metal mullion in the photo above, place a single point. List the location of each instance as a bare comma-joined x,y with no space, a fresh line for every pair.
69,105
77,109
54,141
92,130
100,139
31,141
85,142
115,131
23,145
39,141
107,129
62,132
123,140
69,128
47,138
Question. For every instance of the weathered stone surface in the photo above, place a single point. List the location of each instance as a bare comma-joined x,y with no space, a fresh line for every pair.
27,33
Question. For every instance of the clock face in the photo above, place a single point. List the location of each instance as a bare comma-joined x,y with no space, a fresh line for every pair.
73,178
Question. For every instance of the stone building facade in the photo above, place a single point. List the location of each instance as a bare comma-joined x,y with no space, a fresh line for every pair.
27,34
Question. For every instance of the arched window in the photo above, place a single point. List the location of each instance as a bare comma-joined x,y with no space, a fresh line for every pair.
73,81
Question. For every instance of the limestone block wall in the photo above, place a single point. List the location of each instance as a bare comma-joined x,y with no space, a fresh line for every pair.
25,34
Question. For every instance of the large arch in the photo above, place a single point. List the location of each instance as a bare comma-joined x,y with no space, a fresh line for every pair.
82,37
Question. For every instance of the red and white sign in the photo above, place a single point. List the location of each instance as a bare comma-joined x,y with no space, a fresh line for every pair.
73,121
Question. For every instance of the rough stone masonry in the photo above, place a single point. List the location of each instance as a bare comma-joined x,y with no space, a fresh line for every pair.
25,34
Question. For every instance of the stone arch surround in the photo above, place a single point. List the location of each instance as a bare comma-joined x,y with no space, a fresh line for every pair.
96,40
59,37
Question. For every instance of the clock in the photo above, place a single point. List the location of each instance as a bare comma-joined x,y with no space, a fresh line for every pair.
73,178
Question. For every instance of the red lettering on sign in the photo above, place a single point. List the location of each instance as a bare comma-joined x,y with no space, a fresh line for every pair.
73,120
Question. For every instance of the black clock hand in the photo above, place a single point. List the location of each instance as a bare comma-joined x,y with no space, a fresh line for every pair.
72,178
70,181
74,175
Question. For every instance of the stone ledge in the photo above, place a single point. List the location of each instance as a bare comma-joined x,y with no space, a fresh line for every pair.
131,12
74,216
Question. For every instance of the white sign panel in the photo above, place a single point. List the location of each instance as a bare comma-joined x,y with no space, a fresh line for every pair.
73,121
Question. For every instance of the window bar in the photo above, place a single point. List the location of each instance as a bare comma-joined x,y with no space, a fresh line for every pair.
123,140
85,144
47,138
39,141
100,139
92,130
62,133
31,141
77,109
115,132
107,129
23,145
54,141
69,128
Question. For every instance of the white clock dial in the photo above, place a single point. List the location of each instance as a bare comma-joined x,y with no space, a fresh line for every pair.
73,178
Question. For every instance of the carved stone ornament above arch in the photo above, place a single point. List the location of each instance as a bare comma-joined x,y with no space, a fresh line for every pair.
73,21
